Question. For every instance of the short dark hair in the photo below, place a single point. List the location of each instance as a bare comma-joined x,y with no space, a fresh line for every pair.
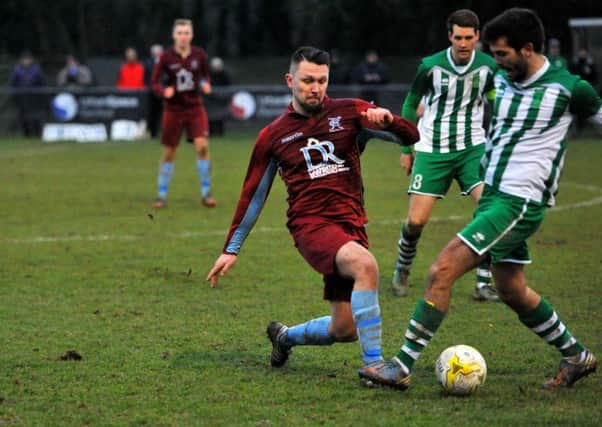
310,54
519,27
463,18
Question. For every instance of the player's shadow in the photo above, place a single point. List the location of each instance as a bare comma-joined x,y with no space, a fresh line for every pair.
243,361
207,359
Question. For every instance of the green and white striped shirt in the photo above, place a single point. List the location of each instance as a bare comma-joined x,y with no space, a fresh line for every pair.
453,98
527,138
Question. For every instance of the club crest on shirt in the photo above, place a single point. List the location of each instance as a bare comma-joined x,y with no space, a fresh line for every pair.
334,124
194,64
328,164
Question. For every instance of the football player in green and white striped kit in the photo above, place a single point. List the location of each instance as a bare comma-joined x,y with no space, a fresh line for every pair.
452,86
533,109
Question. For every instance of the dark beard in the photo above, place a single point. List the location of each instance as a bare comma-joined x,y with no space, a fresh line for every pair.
311,109
520,72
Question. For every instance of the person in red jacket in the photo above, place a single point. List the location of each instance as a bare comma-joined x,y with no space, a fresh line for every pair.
131,73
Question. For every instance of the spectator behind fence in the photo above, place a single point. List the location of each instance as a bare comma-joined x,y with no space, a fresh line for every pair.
372,71
27,74
74,74
131,73
584,66
554,56
219,77
155,108
339,73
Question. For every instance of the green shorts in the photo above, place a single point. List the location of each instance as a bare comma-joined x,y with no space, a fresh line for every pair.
501,226
433,173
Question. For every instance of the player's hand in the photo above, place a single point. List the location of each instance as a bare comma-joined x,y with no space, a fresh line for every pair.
406,160
220,268
206,87
380,117
169,92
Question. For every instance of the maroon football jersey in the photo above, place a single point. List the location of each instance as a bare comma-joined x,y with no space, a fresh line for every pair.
318,159
183,74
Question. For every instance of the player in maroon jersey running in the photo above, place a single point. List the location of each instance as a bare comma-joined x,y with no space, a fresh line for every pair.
315,147
186,69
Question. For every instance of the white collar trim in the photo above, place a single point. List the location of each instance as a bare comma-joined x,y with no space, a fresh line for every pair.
537,74
460,69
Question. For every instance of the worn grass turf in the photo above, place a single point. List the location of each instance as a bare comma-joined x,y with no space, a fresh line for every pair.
85,265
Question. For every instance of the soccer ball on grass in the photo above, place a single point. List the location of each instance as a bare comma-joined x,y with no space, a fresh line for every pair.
461,370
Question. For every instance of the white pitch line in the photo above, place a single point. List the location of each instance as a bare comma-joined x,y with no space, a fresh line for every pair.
211,233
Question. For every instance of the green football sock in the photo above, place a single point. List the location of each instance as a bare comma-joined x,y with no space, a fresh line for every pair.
544,321
423,325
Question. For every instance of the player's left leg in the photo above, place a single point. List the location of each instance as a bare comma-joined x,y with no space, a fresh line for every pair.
538,315
198,132
203,163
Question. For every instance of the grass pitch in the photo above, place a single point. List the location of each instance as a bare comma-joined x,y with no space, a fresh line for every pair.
87,266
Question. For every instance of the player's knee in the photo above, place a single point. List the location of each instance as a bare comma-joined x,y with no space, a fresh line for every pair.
202,150
440,273
366,267
169,155
360,264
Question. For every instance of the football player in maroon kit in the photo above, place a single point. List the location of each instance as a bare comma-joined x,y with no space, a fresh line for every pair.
315,146
186,70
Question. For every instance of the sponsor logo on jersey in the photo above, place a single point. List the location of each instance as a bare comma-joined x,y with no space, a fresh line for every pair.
291,137
174,66
329,163
334,123
478,237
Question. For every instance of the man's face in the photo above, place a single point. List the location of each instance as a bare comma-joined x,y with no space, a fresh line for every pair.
309,83
130,55
463,41
509,59
182,36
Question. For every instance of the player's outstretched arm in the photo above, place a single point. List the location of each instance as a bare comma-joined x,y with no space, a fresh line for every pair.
377,122
224,263
256,187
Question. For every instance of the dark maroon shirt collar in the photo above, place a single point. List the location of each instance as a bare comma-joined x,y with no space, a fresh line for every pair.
291,111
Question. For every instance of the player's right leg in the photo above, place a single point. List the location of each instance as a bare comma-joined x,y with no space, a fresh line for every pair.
453,261
419,212
170,138
325,330
432,175
333,250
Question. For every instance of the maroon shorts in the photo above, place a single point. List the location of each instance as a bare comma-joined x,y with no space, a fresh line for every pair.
319,241
194,120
